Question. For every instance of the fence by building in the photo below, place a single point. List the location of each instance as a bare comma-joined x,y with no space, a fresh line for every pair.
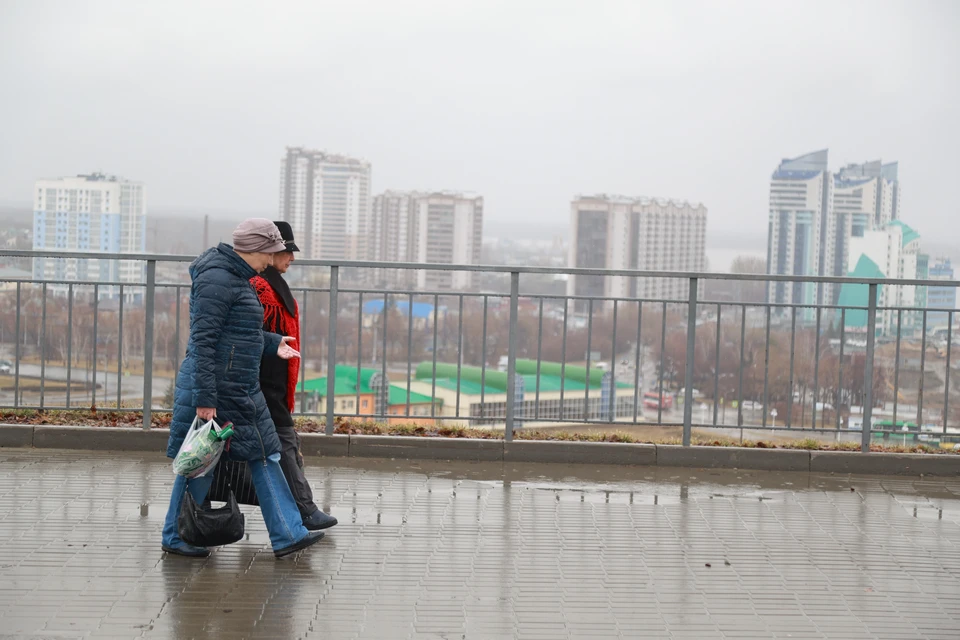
499,359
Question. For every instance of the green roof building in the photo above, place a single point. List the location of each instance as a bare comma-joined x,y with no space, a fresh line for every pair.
558,393
358,392
471,396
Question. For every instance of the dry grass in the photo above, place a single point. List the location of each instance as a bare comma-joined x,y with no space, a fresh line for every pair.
107,418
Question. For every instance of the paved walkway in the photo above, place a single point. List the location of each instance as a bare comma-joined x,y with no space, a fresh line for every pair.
444,550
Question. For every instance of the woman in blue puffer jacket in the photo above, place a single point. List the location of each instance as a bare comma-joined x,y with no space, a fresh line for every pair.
220,378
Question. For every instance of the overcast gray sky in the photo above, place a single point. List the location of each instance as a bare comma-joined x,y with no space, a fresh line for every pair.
526,103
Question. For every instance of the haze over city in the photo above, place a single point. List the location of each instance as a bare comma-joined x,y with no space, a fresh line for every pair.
484,319
527,104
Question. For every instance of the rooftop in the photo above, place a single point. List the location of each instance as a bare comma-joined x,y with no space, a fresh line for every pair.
345,384
805,167
326,156
846,183
814,160
474,380
96,176
909,234
458,195
870,169
637,200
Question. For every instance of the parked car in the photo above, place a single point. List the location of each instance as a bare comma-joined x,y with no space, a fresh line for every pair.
751,405
6,367
654,400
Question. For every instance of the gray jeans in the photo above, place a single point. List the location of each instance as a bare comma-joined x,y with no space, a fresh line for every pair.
292,464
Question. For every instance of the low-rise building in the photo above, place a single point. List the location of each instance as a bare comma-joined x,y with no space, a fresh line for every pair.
472,397
362,392
475,397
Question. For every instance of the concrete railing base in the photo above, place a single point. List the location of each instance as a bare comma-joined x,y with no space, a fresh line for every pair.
579,452
733,458
470,449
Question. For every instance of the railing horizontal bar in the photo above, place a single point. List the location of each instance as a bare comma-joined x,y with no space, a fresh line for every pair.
745,277
87,283
506,295
427,292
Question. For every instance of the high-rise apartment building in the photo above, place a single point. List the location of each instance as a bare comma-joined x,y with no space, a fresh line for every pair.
393,235
647,234
326,199
449,231
801,207
89,213
865,197
814,215
439,228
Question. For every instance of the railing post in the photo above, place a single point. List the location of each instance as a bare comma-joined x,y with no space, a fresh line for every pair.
332,313
301,347
16,356
148,310
43,342
512,355
868,370
96,362
691,360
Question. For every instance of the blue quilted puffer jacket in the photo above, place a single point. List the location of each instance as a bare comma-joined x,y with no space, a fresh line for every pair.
222,365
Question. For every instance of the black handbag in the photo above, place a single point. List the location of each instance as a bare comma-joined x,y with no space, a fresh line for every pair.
232,476
203,526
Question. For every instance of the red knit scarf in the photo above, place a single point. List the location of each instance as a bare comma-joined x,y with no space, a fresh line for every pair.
278,319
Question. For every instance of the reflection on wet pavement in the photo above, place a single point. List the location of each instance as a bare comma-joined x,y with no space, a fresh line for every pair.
477,550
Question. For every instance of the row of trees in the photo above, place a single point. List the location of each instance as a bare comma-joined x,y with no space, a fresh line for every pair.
49,330
736,367
827,380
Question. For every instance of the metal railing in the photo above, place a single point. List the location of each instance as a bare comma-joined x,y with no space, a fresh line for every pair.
624,377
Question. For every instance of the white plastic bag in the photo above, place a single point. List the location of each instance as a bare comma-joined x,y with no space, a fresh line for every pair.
200,451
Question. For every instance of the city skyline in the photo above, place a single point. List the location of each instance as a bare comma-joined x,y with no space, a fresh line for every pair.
563,106
848,180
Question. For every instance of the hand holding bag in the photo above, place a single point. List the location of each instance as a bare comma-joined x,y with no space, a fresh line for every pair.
208,527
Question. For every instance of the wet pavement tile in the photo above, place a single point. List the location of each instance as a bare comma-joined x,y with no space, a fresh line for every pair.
440,550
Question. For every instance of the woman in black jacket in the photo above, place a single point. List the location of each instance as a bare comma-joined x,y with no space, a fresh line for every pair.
220,378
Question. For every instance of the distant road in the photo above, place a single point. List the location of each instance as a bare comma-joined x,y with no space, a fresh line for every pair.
131,386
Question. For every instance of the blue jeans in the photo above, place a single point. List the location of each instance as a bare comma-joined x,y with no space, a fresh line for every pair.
280,512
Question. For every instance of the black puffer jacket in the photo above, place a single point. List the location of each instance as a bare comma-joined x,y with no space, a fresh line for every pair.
222,366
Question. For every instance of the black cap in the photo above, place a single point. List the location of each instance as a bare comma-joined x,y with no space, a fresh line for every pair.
286,232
